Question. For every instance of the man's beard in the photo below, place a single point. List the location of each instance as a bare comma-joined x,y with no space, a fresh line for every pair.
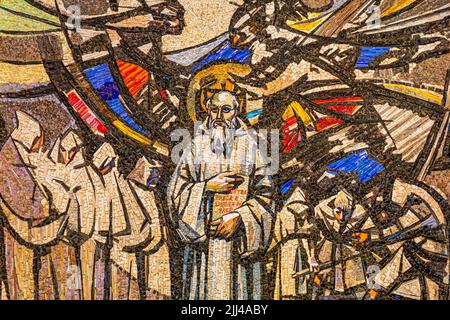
222,137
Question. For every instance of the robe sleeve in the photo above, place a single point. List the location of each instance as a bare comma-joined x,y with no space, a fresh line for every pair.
257,212
186,202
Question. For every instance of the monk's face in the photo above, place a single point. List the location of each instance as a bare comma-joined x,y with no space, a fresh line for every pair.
222,109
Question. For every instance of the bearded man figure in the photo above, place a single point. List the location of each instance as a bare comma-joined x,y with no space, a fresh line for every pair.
221,206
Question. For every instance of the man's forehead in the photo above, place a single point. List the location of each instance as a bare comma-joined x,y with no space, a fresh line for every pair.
223,98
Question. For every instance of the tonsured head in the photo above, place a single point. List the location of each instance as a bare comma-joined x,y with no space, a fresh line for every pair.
222,108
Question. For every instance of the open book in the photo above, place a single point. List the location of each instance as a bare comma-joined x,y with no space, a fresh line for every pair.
228,202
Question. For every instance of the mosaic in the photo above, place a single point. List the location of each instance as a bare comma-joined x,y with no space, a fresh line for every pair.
223,150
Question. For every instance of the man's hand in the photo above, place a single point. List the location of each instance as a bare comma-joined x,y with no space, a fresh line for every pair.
226,226
224,182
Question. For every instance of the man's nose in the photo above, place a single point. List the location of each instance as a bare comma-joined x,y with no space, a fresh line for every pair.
220,114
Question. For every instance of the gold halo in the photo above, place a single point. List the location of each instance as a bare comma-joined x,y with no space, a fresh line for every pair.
219,77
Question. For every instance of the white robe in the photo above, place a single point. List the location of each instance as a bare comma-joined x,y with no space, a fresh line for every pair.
212,268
